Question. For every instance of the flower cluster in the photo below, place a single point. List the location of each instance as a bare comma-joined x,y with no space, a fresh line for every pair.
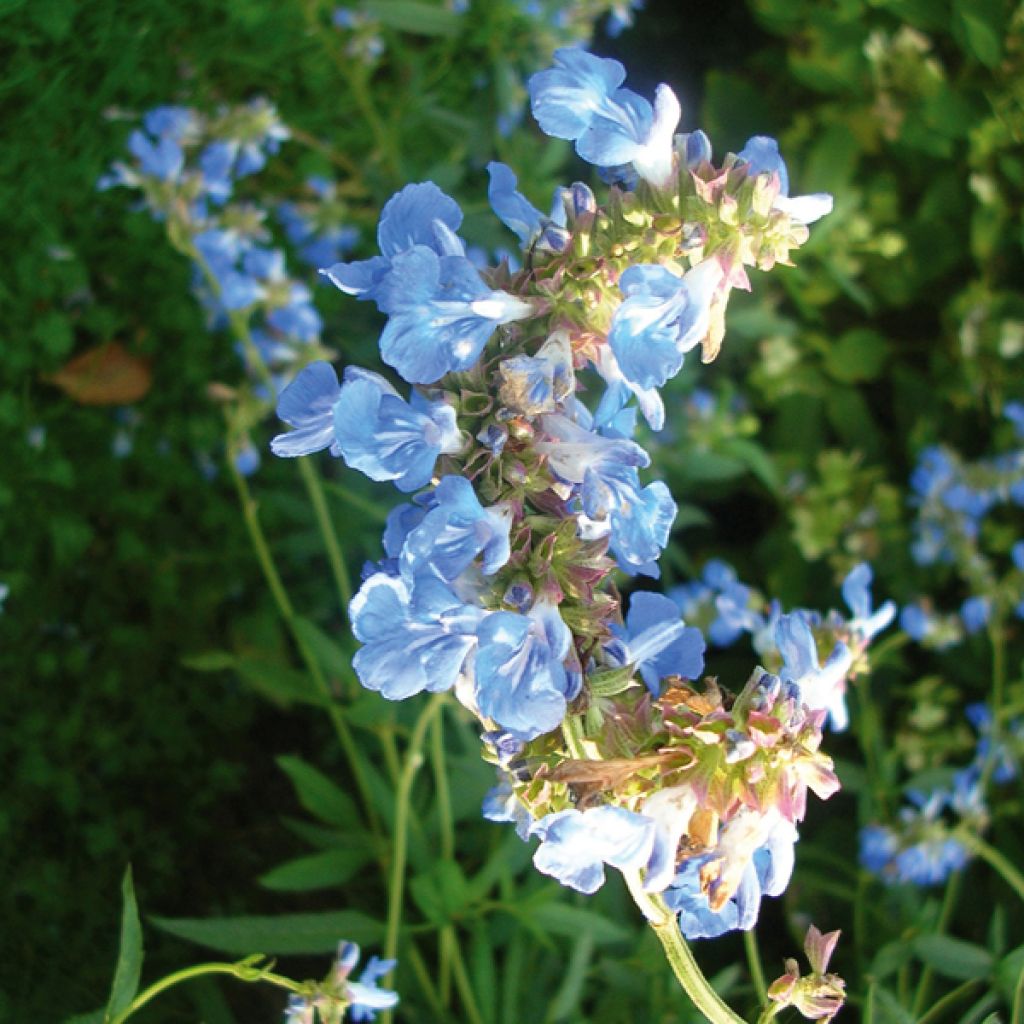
497,580
187,168
928,841
336,994
955,501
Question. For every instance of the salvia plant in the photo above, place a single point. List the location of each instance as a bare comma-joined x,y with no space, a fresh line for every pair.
499,577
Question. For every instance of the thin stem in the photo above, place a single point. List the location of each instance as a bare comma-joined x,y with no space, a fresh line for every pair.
995,860
243,971
287,612
768,1013
947,1001
330,537
448,945
572,732
756,970
400,846
677,952
948,903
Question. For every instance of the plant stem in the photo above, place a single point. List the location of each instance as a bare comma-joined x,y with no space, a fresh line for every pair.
314,488
995,860
677,952
756,970
948,903
400,846
947,1001
287,612
243,971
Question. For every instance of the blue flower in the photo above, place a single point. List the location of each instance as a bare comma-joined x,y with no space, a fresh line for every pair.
663,317
416,634
1014,412
975,613
576,845
821,686
441,314
384,437
857,595
580,100
502,805
659,643
521,681
455,530
531,385
419,214
519,215
307,404
162,158
761,154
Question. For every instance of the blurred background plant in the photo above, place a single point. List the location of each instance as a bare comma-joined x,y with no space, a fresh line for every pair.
150,686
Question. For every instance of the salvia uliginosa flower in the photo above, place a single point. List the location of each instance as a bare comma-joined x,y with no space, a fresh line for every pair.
525,500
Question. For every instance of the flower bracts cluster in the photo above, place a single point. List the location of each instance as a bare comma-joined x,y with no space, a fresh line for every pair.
497,580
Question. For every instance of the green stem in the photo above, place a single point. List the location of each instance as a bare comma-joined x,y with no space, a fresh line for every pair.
768,1013
572,732
948,903
315,490
448,945
995,860
287,612
939,1008
756,970
243,971
400,846
677,952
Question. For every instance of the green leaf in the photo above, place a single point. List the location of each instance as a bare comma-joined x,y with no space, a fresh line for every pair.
982,30
756,459
129,958
278,682
327,651
953,958
1009,971
441,891
859,354
889,959
96,1017
275,936
568,922
888,1009
418,18
321,870
318,794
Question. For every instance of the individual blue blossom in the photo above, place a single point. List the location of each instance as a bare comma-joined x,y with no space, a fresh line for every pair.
639,528
821,686
620,390
247,458
519,215
658,642
724,607
761,153
975,612
576,845
440,314
161,158
521,680
856,588
1005,755
1014,412
365,996
307,404
580,99
455,530
662,317
502,805
416,634
417,215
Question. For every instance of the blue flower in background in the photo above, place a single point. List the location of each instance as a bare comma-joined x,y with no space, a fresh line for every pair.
975,612
821,686
662,317
576,845
580,99
857,595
